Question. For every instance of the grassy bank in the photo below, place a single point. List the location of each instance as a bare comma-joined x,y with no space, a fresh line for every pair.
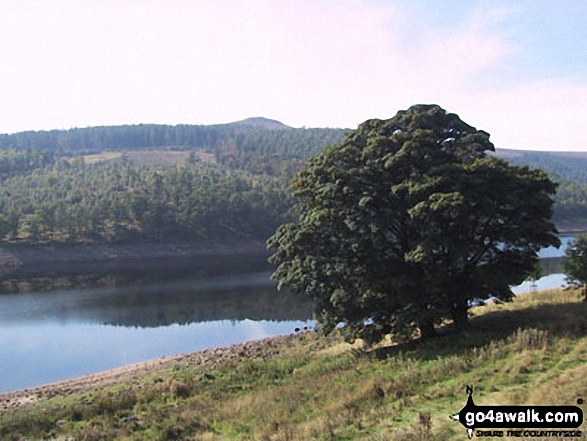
533,351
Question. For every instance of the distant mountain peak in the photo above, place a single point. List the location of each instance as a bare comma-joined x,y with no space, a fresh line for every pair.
261,123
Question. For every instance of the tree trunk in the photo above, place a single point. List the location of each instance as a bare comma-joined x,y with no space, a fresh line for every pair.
427,330
460,317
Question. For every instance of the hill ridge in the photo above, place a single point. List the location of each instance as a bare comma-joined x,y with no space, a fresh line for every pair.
260,122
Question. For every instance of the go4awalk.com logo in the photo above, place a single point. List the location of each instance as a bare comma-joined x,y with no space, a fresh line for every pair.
561,421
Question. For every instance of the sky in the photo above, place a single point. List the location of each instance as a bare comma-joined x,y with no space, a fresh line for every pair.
516,69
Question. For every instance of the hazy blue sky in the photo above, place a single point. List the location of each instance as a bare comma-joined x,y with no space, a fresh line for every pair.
517,69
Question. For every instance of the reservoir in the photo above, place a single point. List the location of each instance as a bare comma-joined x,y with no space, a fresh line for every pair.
51,336
55,328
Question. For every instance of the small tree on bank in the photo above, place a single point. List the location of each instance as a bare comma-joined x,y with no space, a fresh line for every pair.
405,221
575,265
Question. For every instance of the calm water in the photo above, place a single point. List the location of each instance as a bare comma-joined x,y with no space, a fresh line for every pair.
64,333
46,337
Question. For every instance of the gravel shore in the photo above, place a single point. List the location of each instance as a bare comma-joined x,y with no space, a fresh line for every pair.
211,358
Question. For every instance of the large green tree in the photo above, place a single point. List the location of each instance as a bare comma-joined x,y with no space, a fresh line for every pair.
406,220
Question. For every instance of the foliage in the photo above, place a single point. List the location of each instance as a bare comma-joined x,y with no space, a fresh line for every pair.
575,265
116,201
16,162
47,195
569,170
571,202
275,149
406,220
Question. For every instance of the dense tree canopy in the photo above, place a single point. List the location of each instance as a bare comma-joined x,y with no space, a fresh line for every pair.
406,220
117,201
575,265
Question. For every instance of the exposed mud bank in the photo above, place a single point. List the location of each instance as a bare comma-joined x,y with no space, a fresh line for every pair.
36,261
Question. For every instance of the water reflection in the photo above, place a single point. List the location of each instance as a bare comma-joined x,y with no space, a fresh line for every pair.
36,353
49,336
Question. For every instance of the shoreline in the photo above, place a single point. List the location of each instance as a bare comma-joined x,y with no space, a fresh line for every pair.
306,386
127,374
19,261
211,358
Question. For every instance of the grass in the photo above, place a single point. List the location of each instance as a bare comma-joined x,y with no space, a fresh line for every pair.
152,157
532,351
102,157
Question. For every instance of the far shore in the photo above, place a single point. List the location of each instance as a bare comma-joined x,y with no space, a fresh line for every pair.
21,261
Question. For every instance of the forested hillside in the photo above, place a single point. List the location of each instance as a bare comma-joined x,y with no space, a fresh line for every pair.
155,182
569,169
256,144
116,201
131,183
572,166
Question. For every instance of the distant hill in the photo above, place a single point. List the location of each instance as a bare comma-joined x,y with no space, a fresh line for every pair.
568,166
569,170
260,123
512,153
257,144
251,136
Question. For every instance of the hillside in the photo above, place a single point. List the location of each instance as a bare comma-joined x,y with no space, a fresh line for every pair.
257,139
569,166
159,182
569,169
217,138
303,386
261,123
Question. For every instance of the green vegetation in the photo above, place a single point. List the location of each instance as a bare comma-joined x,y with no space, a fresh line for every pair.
256,145
263,154
570,204
99,184
17,162
407,220
531,351
116,201
575,265
569,170
571,166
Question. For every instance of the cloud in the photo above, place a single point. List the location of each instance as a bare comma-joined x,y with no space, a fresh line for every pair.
541,115
329,63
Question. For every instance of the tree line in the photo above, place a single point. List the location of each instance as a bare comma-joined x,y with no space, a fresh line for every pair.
570,172
572,168
48,193
570,202
118,201
235,145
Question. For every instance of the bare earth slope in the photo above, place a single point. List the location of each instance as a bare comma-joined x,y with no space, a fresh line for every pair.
21,261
